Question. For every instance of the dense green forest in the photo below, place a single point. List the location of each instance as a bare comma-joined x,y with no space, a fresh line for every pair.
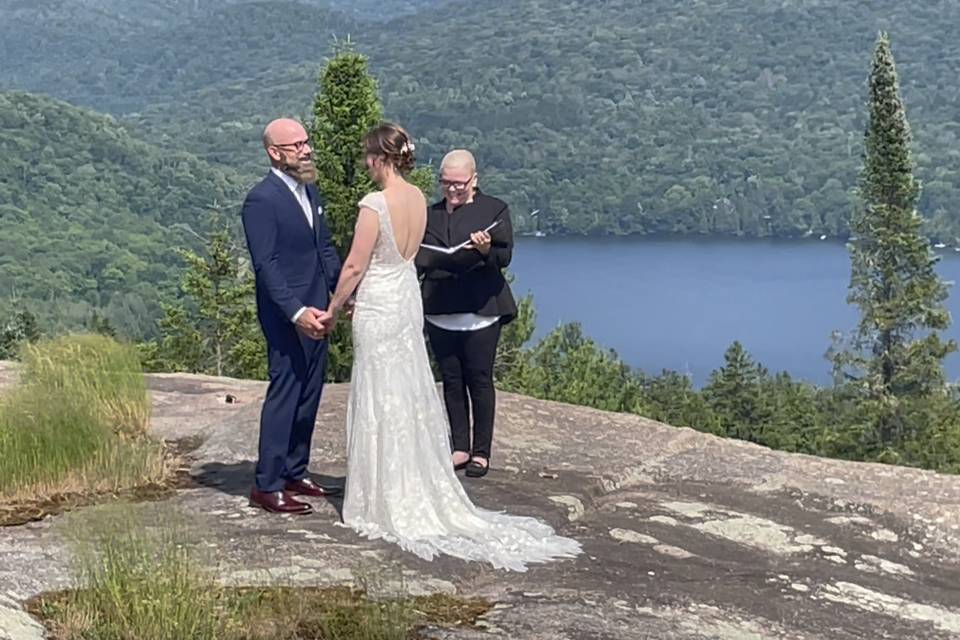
90,214
721,117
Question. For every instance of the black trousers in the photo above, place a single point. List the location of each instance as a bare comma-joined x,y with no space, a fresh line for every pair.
466,366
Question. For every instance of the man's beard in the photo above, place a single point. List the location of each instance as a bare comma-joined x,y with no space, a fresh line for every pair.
303,172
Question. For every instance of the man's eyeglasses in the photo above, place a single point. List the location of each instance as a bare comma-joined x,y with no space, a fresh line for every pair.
456,185
296,146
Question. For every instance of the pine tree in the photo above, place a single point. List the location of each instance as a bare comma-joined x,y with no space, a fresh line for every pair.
213,329
735,394
794,423
895,355
346,106
671,398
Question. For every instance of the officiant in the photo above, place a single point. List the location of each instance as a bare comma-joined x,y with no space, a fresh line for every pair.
466,301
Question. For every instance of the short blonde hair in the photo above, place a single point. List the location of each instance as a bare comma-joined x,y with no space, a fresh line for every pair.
459,159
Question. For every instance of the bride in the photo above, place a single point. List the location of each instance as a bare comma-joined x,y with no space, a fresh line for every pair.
401,485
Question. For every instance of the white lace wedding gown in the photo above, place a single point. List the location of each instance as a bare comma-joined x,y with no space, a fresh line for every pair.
400,480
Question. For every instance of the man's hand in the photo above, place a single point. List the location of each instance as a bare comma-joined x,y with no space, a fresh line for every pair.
480,240
309,323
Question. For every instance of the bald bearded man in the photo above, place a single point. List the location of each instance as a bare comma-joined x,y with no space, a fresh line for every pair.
296,268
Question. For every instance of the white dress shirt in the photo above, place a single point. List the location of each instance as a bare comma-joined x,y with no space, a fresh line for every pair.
462,321
299,191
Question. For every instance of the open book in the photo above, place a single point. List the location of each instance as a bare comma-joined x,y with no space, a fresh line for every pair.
450,250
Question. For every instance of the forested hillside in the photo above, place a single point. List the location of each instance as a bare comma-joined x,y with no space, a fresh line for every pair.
612,117
90,215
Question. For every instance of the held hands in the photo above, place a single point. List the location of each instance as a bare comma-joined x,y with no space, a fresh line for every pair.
328,319
314,323
317,324
480,240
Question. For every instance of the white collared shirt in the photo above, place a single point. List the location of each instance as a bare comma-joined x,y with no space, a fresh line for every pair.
299,191
462,321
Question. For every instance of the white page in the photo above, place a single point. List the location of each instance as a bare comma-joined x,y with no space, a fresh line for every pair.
452,250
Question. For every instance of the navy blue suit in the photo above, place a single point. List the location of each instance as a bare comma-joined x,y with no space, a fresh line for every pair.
295,267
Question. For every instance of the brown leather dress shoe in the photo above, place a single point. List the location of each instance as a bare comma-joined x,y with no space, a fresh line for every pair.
307,487
278,502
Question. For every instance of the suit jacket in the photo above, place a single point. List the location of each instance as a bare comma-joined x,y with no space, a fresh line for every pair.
467,281
295,266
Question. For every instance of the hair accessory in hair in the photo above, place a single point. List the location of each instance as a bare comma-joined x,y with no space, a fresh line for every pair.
408,147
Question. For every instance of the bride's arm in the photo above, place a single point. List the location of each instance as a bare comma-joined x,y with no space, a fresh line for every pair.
364,239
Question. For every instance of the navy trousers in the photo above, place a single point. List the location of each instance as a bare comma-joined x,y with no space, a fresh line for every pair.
297,366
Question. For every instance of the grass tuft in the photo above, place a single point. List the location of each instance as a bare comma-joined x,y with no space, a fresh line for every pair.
77,422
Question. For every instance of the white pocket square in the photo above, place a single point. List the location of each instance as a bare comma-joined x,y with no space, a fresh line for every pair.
319,210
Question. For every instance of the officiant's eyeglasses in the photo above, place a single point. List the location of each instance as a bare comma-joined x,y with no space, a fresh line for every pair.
296,146
456,185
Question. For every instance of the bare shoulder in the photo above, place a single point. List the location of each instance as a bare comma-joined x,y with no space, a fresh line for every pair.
416,195
407,196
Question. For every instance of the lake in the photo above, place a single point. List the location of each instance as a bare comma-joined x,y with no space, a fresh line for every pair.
679,303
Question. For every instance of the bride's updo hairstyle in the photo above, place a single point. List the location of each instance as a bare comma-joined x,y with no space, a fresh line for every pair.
392,143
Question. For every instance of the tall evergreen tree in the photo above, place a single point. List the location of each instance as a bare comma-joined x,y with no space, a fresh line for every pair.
896,353
346,106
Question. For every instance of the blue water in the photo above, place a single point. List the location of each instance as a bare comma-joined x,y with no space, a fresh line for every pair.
679,303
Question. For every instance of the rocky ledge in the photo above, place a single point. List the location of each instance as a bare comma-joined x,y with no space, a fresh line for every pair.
685,535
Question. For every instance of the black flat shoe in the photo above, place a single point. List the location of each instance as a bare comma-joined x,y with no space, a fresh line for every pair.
477,470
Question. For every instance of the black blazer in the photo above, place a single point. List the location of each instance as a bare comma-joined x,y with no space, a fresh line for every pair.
467,281
295,265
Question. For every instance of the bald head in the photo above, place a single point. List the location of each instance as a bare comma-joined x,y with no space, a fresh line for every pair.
459,159
283,131
458,178
289,149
